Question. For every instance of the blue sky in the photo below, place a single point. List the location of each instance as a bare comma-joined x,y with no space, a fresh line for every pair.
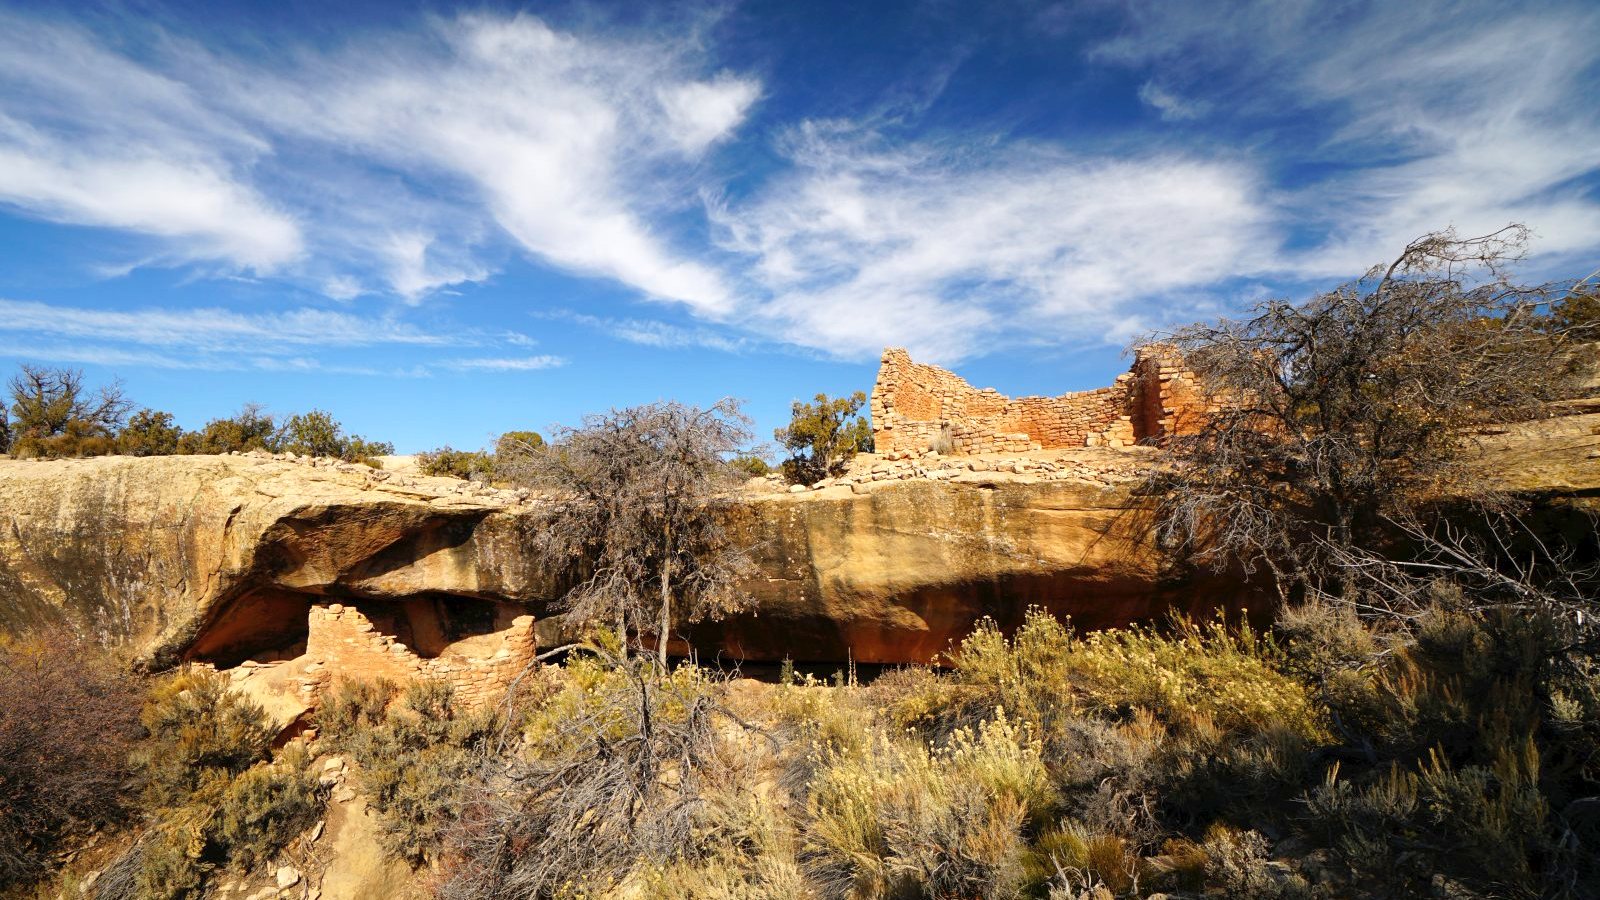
441,222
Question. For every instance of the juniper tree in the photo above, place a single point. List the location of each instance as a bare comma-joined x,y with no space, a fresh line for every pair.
823,436
56,414
251,429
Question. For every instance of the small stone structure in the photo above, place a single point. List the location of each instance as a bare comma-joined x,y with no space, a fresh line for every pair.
345,641
916,406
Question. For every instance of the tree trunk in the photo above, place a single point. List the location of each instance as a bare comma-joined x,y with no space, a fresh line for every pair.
666,605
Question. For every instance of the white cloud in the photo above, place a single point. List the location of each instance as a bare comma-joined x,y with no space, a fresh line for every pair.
405,163
1171,107
701,113
224,340
572,145
413,273
102,355
1432,114
216,329
90,138
506,364
948,249
397,153
654,333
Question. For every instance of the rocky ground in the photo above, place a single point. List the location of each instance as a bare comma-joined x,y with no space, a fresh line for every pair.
1086,465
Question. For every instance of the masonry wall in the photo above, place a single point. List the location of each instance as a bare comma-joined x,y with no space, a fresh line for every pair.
916,406
343,640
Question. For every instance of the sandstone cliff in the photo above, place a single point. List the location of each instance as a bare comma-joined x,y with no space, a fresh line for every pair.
222,558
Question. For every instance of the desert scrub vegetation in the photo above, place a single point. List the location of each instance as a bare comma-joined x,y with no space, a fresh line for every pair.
1043,764
822,437
416,752
54,414
625,774
68,719
1328,756
214,794
510,454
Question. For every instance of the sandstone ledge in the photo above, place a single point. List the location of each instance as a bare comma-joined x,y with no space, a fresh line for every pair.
223,557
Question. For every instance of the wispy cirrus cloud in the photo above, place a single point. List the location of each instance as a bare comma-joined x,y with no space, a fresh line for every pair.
294,340
570,145
946,250
217,329
1171,106
1315,139
1423,115
655,333
89,137
504,363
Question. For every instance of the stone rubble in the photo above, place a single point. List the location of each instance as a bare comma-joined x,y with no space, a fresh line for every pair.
1103,467
442,488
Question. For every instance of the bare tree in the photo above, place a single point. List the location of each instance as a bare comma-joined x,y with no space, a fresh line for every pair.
1330,416
1497,563
640,516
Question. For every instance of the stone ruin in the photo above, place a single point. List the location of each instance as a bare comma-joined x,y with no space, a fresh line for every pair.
916,406
401,641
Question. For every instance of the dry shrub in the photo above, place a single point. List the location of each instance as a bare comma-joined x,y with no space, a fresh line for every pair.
947,821
417,759
1238,865
216,795
68,716
200,736
749,838
612,782
1081,861
265,807
355,705
1217,673
1149,729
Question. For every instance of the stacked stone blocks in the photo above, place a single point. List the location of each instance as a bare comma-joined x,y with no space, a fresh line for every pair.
343,640
916,406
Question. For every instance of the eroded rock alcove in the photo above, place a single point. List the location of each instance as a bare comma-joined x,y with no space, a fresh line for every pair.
285,650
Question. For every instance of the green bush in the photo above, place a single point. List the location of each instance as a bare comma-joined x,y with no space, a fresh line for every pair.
518,443
149,433
317,433
201,735
472,465
250,429
822,437
215,795
416,759
750,464
265,807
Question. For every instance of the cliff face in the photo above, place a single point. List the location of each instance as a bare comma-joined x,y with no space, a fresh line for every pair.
896,573
223,555
222,558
